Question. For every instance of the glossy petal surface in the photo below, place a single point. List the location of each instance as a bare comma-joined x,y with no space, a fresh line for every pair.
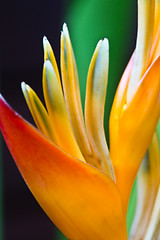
97,80
82,201
56,106
131,140
72,97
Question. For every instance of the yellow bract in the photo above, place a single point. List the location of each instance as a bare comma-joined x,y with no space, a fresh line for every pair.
72,95
94,106
39,113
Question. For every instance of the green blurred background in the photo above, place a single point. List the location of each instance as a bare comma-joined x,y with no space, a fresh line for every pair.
23,26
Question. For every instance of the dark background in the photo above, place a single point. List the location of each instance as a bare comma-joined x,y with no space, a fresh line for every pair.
22,27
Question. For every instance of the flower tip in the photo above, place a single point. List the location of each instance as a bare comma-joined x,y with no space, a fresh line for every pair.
99,43
62,35
45,42
3,102
48,64
44,38
106,43
23,85
48,68
25,89
65,29
102,46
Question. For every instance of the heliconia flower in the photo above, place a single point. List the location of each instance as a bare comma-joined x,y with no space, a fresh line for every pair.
82,185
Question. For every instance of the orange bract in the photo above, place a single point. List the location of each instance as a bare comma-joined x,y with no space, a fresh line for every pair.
132,126
64,186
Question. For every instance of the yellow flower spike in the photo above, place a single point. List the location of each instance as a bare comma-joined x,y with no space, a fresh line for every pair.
39,113
143,46
57,111
49,55
72,95
94,106
147,183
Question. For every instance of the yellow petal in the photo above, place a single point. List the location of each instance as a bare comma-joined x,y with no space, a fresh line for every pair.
135,126
143,46
72,95
39,113
57,111
117,107
94,106
49,55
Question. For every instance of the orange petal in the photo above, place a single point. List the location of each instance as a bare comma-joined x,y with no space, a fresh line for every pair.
57,110
135,127
118,103
82,201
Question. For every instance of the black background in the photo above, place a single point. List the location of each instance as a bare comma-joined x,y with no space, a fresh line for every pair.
22,27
